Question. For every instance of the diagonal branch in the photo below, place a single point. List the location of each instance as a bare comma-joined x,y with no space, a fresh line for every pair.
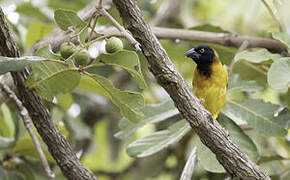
29,126
47,129
188,169
273,15
121,29
211,133
168,10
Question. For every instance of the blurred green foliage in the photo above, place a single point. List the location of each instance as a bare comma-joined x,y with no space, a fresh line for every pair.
103,114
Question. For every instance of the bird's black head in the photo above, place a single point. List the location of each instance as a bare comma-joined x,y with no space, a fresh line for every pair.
203,56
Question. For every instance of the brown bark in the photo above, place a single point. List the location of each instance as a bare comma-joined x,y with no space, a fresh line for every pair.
47,129
209,130
226,39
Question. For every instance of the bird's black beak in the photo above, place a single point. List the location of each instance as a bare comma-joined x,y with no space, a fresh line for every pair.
192,54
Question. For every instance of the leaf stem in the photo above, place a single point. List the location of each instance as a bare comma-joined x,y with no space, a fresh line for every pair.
92,65
56,61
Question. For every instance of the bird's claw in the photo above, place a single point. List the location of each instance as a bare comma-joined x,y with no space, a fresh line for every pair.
201,100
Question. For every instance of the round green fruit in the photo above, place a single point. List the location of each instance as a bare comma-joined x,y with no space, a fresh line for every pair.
113,45
82,58
67,49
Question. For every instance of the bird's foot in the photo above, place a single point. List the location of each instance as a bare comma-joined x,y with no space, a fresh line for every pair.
227,132
201,100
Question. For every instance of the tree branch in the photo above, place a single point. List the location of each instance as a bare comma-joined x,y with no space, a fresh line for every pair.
209,130
58,36
29,126
47,129
225,39
189,166
273,15
168,9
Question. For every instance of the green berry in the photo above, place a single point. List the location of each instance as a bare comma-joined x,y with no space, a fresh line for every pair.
113,45
67,49
82,58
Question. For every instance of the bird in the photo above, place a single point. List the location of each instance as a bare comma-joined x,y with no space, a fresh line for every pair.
210,78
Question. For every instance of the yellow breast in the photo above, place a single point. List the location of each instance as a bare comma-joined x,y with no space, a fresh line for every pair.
211,89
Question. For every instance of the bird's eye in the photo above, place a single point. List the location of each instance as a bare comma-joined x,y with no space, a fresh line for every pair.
201,51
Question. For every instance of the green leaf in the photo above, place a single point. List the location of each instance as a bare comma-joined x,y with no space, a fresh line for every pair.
279,74
283,37
65,100
37,31
11,175
29,10
258,114
257,56
152,114
206,158
83,35
90,85
236,84
238,136
272,167
25,147
75,5
8,64
125,59
25,170
7,127
46,52
67,18
158,140
210,28
5,142
128,102
50,78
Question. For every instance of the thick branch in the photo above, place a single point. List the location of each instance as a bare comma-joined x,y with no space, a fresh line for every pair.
209,130
57,144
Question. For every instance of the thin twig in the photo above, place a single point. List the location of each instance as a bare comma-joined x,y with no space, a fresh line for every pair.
244,46
122,30
189,166
87,46
167,10
273,15
29,126
93,28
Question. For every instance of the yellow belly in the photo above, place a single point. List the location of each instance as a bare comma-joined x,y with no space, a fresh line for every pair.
212,98
211,90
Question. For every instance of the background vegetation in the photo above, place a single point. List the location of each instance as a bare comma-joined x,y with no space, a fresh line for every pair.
113,134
